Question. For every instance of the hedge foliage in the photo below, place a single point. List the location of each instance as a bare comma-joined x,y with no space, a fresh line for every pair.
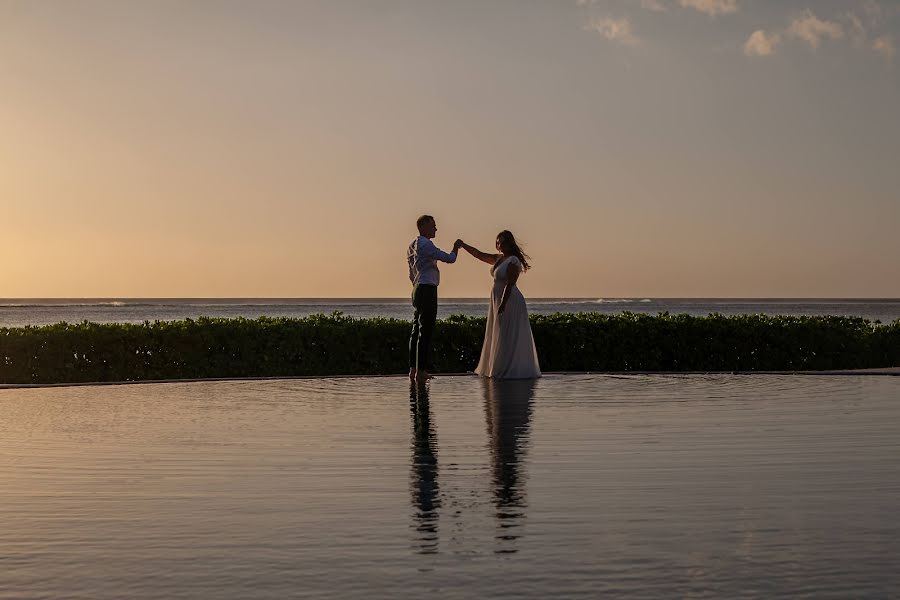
340,345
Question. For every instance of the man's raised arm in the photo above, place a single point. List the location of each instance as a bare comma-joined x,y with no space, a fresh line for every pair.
431,251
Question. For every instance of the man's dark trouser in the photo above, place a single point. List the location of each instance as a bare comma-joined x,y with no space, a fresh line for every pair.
425,301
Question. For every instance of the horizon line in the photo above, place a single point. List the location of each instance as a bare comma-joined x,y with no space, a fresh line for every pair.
447,298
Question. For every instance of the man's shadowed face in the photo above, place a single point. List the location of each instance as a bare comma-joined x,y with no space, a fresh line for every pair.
428,229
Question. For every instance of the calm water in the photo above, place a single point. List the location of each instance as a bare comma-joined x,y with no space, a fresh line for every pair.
19,312
573,487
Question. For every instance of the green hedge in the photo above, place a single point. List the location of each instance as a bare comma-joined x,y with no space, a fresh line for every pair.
337,345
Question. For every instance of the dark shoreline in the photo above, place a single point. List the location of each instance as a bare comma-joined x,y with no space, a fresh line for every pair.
336,345
41,312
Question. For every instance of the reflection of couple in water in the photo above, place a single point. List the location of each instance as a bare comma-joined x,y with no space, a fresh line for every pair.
507,408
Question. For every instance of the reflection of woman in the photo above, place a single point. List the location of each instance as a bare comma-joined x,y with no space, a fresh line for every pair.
508,351
507,406
424,484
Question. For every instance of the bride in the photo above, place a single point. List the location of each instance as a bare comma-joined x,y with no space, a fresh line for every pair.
508,351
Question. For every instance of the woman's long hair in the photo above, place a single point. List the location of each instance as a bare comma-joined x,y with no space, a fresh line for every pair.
508,241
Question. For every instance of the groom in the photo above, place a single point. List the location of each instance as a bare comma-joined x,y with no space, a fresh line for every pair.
422,257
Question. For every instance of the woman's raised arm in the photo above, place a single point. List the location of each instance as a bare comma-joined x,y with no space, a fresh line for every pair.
482,256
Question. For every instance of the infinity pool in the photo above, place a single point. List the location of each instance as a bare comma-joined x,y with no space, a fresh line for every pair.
570,487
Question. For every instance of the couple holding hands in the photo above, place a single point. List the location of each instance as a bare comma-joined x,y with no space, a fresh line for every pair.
508,351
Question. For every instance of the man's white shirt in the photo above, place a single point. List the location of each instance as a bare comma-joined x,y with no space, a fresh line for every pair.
422,257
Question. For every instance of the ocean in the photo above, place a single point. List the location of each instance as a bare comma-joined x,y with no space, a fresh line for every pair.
45,311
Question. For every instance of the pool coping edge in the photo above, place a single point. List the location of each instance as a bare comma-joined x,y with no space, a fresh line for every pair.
890,371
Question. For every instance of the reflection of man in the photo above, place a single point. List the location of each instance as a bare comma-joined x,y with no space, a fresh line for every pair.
422,257
424,485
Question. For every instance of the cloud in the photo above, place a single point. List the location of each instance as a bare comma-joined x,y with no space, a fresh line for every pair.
884,45
863,26
653,5
711,7
761,43
615,30
856,30
811,29
873,10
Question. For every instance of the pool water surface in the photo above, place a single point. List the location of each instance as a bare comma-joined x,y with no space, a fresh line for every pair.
573,486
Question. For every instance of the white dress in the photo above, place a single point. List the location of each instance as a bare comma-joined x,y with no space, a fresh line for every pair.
508,351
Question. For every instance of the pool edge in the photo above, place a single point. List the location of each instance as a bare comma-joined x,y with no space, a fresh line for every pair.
889,371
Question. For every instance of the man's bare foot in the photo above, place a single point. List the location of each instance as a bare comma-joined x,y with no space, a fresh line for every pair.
412,374
423,376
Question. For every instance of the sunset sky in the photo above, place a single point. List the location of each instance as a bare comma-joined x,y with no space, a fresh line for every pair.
639,148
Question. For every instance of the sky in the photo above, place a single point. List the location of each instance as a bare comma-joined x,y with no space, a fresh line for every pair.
637,148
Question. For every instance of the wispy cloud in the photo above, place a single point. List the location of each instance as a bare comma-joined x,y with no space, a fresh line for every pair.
862,25
761,43
711,7
873,10
615,30
884,45
809,28
856,29
654,5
